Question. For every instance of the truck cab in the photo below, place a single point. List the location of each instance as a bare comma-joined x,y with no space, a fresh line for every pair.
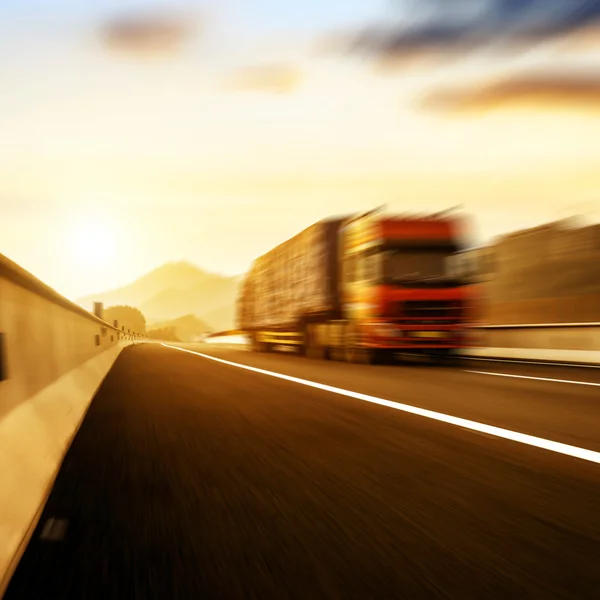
397,286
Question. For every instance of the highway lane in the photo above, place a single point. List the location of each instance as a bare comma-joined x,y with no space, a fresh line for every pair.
195,479
478,390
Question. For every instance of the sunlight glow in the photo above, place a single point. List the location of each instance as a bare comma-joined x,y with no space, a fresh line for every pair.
92,241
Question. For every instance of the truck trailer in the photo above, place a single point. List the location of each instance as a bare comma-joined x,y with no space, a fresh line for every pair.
360,288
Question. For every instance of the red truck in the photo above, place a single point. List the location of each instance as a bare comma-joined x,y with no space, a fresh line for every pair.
360,289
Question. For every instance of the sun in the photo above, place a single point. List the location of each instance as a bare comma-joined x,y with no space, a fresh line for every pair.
93,241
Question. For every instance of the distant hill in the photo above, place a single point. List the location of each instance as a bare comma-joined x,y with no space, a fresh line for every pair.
175,290
166,335
129,319
184,329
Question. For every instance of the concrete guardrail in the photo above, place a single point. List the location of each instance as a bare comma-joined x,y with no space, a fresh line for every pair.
53,357
237,339
547,342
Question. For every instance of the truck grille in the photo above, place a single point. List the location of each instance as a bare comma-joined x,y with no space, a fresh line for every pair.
431,312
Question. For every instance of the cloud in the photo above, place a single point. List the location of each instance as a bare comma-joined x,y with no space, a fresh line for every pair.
148,33
557,89
274,79
450,27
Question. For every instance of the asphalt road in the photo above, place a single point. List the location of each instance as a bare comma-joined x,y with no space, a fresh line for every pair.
191,478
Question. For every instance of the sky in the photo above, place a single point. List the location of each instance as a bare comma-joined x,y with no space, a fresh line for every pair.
136,133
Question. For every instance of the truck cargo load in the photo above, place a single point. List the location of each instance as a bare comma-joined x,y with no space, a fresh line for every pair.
296,279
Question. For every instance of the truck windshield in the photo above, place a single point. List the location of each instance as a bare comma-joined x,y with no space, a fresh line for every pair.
416,264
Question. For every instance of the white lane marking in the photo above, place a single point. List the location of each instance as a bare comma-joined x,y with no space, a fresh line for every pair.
54,530
507,434
535,378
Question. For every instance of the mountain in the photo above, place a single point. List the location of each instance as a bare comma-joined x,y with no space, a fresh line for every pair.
174,290
199,299
178,275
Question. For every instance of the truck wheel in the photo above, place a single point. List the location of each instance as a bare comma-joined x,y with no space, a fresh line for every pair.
446,358
260,346
312,348
384,357
336,353
354,352
254,343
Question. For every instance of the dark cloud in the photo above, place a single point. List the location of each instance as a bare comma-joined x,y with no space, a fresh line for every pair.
569,90
275,79
148,33
456,26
